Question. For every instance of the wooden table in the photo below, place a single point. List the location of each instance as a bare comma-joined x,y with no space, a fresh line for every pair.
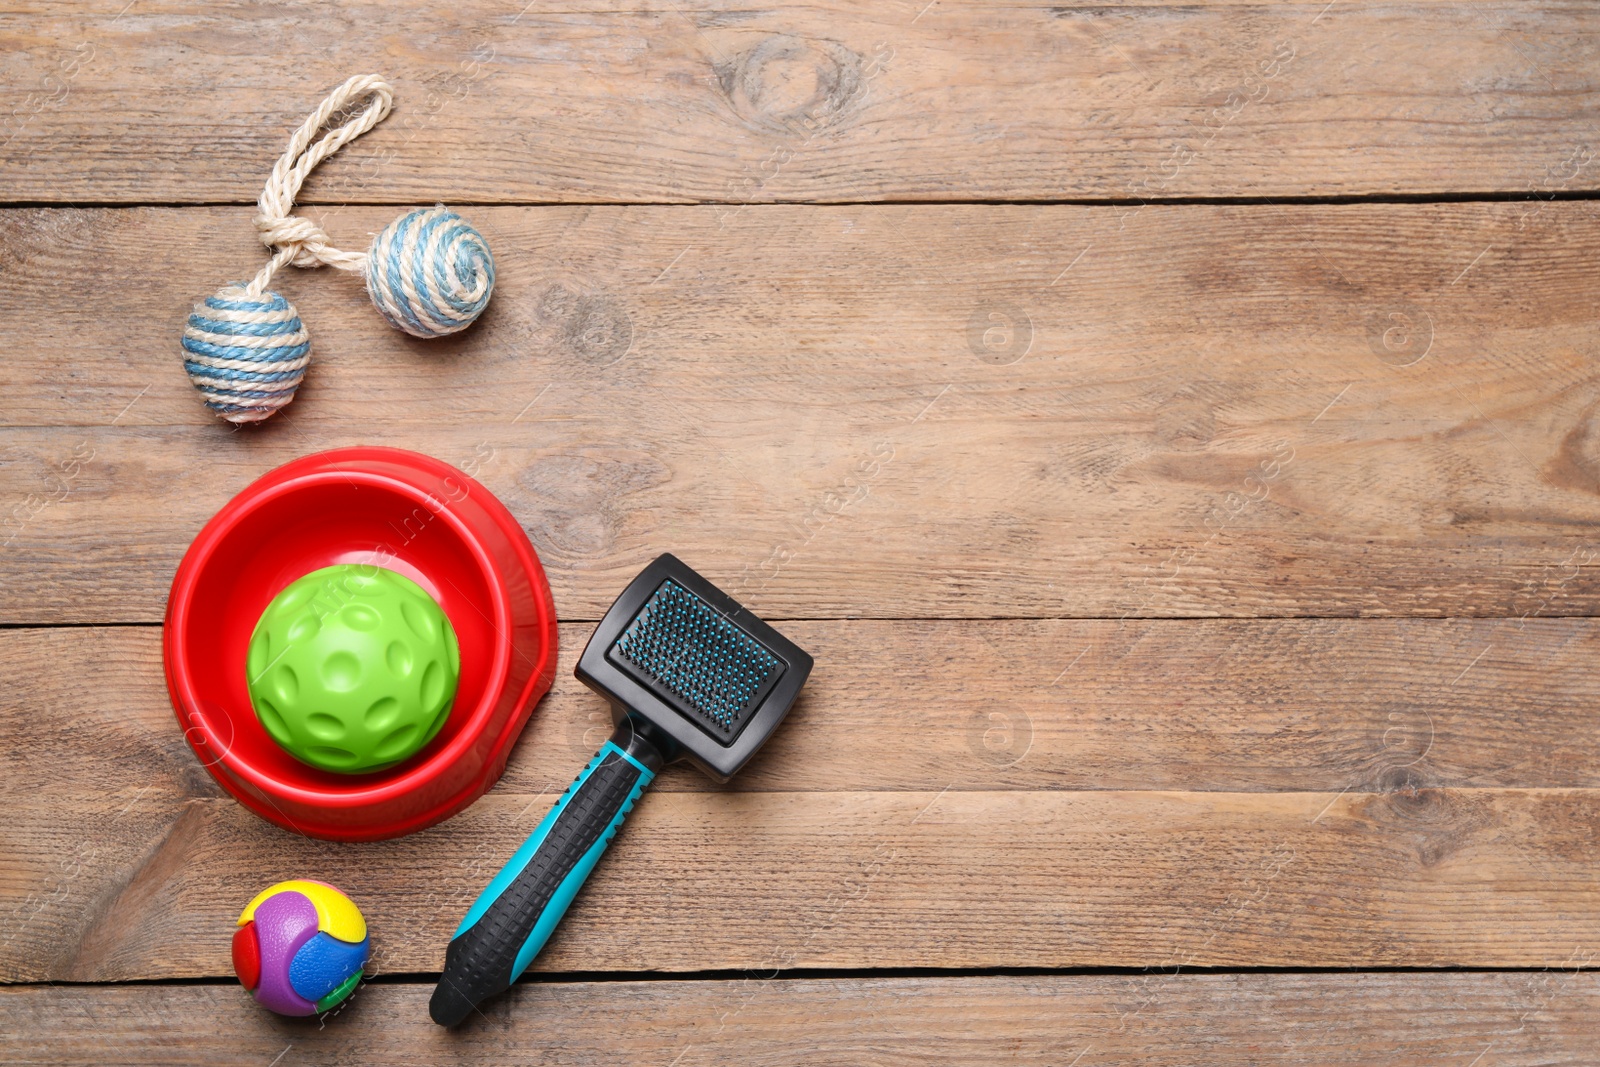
1174,428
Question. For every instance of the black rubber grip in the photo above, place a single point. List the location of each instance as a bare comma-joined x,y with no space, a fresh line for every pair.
481,960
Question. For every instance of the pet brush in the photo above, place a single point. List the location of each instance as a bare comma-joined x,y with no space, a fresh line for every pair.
690,675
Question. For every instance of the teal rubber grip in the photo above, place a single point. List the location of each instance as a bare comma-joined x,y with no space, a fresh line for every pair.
520,908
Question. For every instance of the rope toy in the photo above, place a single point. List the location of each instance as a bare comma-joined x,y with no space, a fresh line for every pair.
428,272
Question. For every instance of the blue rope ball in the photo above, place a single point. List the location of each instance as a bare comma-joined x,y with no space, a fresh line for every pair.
246,353
430,273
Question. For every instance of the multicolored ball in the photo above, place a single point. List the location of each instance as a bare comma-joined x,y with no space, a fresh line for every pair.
300,947
245,352
429,272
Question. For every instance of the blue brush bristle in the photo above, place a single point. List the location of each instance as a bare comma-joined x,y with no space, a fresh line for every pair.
690,649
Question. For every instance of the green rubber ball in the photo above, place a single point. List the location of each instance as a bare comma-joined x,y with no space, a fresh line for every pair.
353,668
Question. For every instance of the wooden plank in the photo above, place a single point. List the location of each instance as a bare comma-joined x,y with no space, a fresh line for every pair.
124,860
1540,1019
1234,410
1318,705
117,888
166,102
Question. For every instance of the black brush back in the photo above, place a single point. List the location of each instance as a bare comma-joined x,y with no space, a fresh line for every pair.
685,657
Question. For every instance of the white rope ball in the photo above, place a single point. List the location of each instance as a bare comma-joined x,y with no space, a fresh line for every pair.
429,272
245,352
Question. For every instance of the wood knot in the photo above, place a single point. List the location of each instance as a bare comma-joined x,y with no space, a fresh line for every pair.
1434,822
792,85
581,498
1576,464
1185,421
1419,805
586,323
1401,779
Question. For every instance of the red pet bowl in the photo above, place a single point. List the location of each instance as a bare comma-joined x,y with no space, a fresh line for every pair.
396,509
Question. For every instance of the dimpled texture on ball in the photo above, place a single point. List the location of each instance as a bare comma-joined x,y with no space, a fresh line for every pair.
430,273
353,668
301,947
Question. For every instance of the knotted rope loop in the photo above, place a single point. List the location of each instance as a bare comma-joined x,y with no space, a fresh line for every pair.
429,272
297,240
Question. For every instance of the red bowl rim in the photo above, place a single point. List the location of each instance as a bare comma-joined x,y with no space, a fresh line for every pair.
320,468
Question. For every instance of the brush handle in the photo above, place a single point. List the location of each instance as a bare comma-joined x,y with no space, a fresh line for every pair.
518,911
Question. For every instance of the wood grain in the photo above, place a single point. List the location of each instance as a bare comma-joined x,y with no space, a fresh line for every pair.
123,858
1212,410
172,102
121,887
1313,705
999,465
1539,1019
